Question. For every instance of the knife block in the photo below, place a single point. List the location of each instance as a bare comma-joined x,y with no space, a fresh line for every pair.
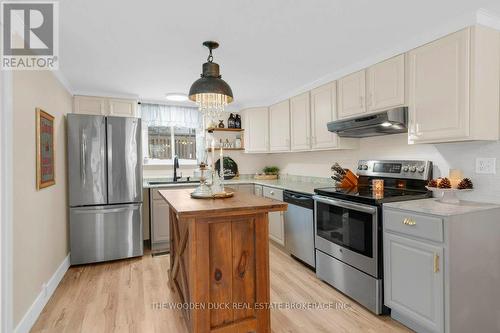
350,180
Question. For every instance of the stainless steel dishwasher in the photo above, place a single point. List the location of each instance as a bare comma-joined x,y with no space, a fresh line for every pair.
299,227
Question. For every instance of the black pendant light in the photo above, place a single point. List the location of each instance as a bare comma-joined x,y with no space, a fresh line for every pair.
210,91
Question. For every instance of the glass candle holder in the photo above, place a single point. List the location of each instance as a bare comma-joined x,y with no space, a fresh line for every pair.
378,185
456,176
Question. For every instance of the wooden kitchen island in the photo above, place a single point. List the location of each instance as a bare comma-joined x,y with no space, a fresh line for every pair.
219,260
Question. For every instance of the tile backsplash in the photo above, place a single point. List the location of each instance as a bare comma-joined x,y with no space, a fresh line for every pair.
445,156
316,165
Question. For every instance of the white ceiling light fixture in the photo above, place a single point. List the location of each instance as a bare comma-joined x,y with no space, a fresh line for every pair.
177,97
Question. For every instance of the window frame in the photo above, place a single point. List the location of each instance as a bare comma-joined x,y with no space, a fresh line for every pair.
156,161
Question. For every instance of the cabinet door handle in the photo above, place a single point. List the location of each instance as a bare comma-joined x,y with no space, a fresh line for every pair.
409,222
436,263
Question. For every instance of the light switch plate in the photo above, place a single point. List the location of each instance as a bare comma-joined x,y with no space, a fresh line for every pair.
486,165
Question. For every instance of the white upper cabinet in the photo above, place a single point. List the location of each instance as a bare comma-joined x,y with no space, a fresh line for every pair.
385,84
454,88
279,127
256,122
300,122
122,107
90,105
323,110
352,95
104,106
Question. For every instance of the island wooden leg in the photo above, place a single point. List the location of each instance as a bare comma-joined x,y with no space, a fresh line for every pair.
263,284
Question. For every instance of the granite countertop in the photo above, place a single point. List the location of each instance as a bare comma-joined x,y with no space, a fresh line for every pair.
434,207
296,185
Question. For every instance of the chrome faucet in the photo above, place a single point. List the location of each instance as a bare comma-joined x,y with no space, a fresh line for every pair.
176,166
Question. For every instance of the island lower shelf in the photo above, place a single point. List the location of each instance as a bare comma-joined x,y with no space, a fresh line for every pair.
219,261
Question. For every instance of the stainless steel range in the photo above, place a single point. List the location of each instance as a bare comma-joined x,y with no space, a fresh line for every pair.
348,226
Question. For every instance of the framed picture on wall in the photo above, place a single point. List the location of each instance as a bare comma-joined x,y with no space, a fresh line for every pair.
45,150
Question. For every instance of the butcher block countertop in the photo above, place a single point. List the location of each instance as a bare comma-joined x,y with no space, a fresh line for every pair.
183,205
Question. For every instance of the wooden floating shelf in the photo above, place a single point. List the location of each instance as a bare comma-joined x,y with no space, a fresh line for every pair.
223,149
216,129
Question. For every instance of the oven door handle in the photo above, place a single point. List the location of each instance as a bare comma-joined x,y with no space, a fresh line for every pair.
348,205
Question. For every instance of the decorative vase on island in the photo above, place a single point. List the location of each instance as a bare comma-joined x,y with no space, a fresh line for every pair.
237,121
231,121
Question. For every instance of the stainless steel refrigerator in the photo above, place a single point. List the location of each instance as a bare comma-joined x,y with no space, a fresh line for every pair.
105,188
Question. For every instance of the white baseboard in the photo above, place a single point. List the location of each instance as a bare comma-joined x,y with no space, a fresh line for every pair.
48,289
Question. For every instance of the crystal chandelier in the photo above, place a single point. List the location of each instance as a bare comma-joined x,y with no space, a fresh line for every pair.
210,92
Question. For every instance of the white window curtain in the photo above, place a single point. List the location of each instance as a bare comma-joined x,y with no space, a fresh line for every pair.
170,115
177,116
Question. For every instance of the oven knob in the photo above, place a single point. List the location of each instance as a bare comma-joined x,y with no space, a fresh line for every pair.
421,169
365,167
405,168
413,169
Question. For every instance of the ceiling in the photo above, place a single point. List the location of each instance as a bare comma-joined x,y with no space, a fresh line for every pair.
269,49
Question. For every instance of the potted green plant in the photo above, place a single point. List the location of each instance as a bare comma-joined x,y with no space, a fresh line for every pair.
269,173
271,170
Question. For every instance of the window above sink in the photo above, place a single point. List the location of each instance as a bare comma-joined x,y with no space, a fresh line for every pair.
169,131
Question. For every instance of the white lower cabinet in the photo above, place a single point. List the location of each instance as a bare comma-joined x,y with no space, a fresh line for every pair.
414,280
246,188
257,190
160,223
160,220
276,227
276,219
161,217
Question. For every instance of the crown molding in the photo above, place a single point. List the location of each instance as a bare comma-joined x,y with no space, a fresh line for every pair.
96,93
62,79
488,18
189,104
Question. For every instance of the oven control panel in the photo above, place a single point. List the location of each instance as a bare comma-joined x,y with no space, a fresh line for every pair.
421,170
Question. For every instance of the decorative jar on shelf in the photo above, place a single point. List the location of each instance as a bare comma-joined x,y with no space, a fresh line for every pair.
221,123
231,121
237,121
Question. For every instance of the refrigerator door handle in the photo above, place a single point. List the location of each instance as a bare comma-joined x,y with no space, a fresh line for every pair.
110,158
103,210
83,160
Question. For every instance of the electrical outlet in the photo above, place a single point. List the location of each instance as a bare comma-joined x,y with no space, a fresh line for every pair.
486,165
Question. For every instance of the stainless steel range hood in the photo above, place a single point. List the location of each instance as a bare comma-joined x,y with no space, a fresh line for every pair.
388,122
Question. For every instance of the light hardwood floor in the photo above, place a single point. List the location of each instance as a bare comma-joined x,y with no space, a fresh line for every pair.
120,296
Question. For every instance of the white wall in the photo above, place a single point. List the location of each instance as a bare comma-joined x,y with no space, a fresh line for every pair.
40,217
444,156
